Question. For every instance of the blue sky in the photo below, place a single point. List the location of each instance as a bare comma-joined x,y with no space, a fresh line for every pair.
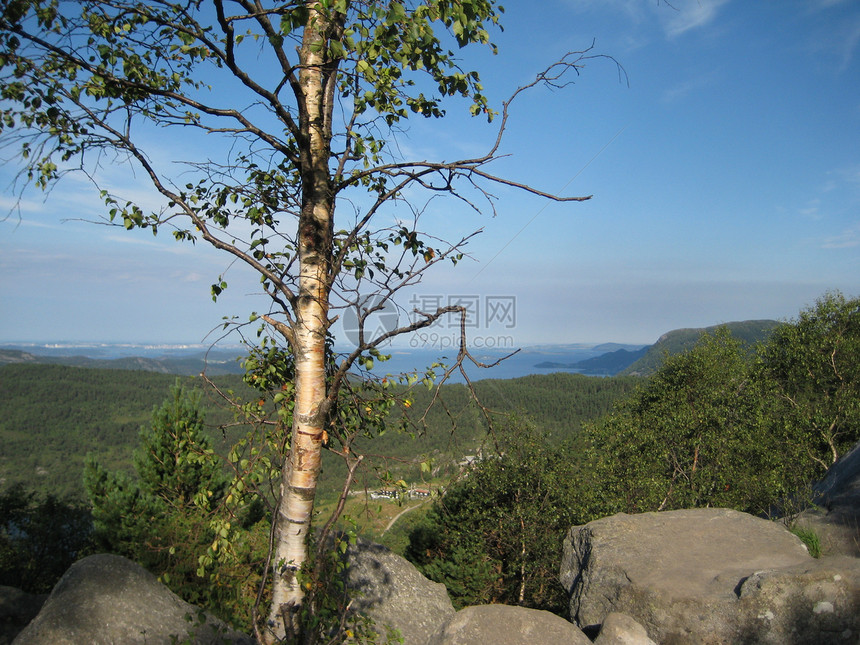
726,183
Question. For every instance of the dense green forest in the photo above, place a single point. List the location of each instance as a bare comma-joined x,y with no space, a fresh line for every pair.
78,441
52,416
72,409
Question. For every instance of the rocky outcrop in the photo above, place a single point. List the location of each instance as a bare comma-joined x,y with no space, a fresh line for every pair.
709,576
835,516
391,591
840,489
818,602
106,599
696,576
505,625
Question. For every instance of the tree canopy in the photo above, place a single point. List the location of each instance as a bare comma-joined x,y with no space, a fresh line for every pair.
813,365
721,424
696,434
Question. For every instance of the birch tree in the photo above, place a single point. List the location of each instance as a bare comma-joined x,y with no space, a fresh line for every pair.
306,96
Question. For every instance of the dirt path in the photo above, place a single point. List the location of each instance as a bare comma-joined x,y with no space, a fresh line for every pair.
403,512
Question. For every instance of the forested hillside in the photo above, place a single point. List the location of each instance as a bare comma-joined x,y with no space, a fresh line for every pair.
749,332
725,424
214,363
52,416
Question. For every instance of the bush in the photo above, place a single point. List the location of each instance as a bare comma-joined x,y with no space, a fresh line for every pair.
496,535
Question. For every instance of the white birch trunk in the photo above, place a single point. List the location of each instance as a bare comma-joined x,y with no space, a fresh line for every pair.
301,470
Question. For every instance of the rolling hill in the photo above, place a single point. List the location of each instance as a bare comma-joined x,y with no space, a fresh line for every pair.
749,332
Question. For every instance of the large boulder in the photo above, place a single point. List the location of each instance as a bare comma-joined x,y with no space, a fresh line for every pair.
506,625
835,517
392,592
107,599
818,602
840,488
709,576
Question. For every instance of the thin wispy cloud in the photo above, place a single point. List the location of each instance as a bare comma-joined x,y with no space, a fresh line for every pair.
849,238
833,32
681,90
691,14
11,207
850,44
838,196
13,221
673,18
191,276
633,9
812,210
162,243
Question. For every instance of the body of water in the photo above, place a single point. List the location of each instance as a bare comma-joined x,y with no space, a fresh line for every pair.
403,360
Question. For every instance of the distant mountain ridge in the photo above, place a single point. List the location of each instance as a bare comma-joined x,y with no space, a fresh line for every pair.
609,363
647,360
186,365
676,341
606,359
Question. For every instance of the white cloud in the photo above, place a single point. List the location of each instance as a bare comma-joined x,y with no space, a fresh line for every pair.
672,17
690,14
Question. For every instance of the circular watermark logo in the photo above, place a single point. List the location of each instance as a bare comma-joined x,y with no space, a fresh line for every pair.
382,319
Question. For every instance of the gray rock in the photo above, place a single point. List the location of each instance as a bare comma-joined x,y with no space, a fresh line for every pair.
621,629
840,488
17,608
390,590
682,575
835,518
506,625
838,532
814,603
107,599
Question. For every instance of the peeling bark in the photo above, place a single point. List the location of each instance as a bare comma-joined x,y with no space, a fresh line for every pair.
301,470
